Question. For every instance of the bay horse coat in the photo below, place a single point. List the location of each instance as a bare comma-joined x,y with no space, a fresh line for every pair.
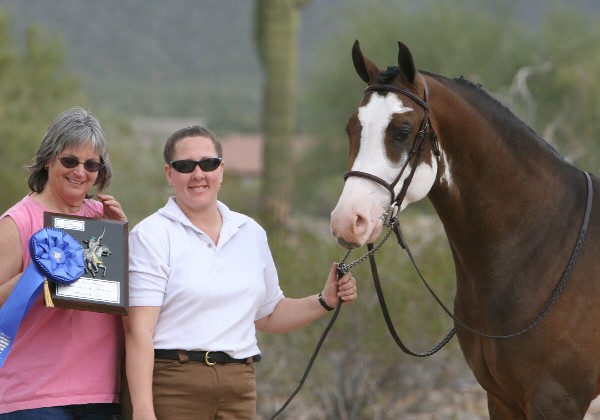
512,209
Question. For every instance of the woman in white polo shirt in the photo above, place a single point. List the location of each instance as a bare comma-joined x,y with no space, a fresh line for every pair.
202,281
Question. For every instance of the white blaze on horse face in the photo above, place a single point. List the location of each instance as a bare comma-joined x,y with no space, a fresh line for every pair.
356,218
375,118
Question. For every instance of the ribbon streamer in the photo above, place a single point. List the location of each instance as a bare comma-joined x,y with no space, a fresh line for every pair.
55,255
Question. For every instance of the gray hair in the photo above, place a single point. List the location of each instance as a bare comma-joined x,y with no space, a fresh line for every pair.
193,131
74,128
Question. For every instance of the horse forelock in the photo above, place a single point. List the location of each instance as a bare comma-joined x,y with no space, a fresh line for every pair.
388,75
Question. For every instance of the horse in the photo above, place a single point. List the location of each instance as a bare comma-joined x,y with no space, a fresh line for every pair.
93,259
519,222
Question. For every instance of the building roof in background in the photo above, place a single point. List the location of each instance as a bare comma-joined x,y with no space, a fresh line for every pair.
242,153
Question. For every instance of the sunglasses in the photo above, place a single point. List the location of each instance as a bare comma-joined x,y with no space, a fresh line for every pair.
71,162
186,166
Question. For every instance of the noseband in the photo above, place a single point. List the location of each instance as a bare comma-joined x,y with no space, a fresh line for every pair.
414,154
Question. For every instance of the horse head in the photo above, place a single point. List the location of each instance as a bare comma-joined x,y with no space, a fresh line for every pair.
515,214
103,251
392,161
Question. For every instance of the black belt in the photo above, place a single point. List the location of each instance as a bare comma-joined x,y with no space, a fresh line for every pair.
209,357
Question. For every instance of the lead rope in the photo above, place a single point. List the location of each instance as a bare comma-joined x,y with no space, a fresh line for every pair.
392,222
342,269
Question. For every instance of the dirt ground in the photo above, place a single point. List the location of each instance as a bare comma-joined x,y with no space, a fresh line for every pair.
469,404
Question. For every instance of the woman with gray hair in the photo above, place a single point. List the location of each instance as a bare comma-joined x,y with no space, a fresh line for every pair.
64,363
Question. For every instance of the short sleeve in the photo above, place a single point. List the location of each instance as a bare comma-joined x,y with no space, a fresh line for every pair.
148,269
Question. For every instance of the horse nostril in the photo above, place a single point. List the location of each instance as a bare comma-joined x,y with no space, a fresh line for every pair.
345,244
361,224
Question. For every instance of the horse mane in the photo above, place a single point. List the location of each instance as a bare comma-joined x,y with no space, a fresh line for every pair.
476,95
478,88
473,93
388,75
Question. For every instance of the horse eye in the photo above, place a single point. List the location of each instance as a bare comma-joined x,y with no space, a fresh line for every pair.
402,132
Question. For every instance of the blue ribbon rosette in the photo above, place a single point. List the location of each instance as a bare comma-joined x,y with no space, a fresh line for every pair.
55,255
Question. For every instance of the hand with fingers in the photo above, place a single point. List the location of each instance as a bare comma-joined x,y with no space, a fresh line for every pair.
344,288
112,208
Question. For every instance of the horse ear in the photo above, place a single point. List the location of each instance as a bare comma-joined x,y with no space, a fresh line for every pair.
406,63
364,67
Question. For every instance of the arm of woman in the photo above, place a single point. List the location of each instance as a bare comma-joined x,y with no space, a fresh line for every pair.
139,328
291,314
11,257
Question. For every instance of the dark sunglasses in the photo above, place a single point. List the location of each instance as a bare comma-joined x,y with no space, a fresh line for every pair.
71,162
186,166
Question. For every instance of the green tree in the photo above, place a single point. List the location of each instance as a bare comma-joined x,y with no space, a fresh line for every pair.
276,29
546,77
35,86
565,98
485,46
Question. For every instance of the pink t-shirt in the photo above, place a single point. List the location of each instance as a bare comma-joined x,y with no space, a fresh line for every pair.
59,356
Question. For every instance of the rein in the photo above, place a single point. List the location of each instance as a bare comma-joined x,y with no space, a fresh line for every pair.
551,301
342,268
392,221
415,151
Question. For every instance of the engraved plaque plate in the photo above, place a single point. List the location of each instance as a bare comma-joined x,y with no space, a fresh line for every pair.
104,285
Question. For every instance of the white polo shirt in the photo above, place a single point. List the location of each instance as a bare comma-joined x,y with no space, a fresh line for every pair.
209,295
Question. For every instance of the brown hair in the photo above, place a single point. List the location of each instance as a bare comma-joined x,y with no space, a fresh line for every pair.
193,131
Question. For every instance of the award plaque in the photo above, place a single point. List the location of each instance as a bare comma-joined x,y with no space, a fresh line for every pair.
104,285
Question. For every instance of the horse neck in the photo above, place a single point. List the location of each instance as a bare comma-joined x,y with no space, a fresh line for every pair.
505,184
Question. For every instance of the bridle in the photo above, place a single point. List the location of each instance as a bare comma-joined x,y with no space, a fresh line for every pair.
417,148
390,216
391,220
